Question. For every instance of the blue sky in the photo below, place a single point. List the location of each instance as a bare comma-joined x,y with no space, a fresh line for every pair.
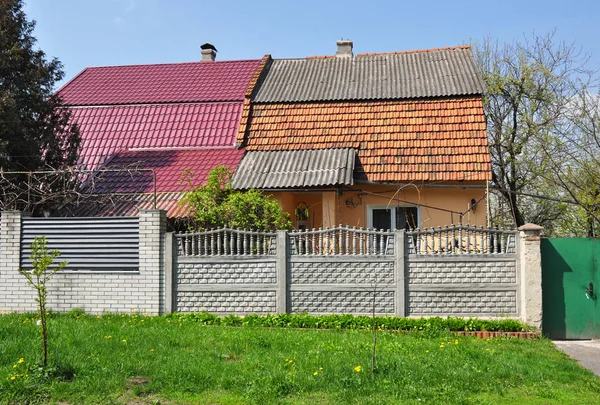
84,33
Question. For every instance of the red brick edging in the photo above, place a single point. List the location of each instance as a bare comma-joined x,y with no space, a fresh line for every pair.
486,334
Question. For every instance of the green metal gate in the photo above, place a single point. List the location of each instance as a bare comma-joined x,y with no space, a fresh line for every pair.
570,278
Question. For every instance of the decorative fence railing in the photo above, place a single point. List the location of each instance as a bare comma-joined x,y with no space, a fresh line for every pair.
227,242
461,239
342,240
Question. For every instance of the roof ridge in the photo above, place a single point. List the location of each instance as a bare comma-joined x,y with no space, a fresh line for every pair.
169,64
447,48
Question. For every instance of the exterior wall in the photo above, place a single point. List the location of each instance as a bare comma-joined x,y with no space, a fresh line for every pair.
96,292
351,207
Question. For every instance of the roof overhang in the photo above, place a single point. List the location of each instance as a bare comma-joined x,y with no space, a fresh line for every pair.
295,168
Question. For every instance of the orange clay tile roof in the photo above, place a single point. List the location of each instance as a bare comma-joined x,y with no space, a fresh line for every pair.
429,140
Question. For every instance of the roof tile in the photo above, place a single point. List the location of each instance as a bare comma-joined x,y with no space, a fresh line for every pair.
403,150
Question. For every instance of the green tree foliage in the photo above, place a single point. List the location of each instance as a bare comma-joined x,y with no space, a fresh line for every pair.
35,131
531,87
217,205
43,268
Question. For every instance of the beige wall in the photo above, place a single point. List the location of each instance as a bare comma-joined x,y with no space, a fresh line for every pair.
327,208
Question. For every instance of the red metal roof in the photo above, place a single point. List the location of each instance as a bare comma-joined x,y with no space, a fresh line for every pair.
167,164
165,83
110,129
130,205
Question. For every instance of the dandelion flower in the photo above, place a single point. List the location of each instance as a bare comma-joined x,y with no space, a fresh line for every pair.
321,368
14,366
21,360
151,350
426,351
358,369
124,341
316,373
456,342
13,378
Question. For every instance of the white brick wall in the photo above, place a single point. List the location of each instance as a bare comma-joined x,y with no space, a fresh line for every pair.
95,292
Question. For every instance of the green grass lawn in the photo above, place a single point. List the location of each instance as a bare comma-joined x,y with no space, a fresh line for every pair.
97,359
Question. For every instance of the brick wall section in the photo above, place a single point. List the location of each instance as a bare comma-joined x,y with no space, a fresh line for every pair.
340,284
227,285
463,272
227,273
15,295
463,285
343,302
228,302
463,303
95,292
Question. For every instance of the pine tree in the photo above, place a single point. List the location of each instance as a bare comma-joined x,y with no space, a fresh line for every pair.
35,130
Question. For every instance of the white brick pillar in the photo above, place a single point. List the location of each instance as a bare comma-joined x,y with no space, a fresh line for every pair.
531,274
15,295
152,261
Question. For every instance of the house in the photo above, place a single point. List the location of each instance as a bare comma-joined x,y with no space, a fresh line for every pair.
145,125
389,141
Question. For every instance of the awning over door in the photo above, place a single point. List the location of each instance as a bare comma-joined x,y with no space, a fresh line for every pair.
298,168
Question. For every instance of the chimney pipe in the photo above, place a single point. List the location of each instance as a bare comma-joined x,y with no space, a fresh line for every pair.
344,49
209,52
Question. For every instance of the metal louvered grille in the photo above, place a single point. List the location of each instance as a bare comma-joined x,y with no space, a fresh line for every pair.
88,244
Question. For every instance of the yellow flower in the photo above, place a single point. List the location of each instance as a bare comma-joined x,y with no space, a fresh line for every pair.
98,317
13,378
14,366
151,350
426,351
321,368
456,342
358,369
21,360
108,337
316,373
124,341
487,350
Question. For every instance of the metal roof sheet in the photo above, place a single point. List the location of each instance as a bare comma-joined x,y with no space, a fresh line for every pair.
434,73
300,168
107,130
160,83
130,205
168,165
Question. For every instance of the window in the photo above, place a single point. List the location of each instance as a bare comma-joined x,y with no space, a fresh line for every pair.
381,217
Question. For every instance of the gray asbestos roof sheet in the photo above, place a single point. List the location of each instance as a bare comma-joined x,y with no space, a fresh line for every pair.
300,168
436,73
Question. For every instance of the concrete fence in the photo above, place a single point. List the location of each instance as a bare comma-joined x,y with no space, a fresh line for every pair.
458,271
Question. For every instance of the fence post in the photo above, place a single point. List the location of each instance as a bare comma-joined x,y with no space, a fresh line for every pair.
399,275
531,274
281,266
152,230
13,291
170,272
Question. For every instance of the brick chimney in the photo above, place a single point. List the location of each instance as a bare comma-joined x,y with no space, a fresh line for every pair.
344,49
209,52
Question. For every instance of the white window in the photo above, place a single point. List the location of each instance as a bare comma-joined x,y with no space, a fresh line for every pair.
383,217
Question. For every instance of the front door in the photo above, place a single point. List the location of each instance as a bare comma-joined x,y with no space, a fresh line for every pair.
570,284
